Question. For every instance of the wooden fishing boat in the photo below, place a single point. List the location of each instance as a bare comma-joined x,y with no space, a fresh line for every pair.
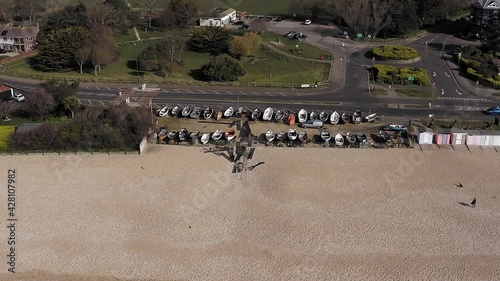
292,134
256,113
326,136
281,136
176,110
173,134
370,118
183,134
335,118
356,117
339,140
217,135
186,111
323,116
164,111
346,117
162,134
268,114
196,113
397,128
219,116
229,112
302,116
194,134
270,135
230,134
205,138
291,119
303,136
313,115
208,113
279,115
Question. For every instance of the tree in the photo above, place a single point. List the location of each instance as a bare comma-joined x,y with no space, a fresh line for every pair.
404,18
245,45
258,26
312,8
167,66
103,48
222,68
125,17
6,10
7,108
70,16
39,104
56,51
149,9
72,104
427,10
51,6
102,15
184,12
209,39
82,55
60,90
29,8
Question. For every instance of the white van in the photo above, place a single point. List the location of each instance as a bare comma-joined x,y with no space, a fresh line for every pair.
312,124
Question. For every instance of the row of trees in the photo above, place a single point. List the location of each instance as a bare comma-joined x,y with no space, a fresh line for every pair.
380,17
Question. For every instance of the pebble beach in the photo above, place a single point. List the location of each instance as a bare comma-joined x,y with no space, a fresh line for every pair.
177,213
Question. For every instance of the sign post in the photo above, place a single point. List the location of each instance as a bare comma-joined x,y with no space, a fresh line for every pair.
411,78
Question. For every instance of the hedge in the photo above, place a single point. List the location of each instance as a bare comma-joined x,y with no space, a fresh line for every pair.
394,74
395,53
489,82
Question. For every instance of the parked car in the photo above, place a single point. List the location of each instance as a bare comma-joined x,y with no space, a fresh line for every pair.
18,97
292,33
493,110
307,22
312,124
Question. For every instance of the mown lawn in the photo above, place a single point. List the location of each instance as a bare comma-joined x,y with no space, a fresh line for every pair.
5,132
288,45
284,70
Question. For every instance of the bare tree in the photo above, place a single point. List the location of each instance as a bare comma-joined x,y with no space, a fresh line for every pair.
102,15
365,16
7,108
102,47
174,47
149,9
40,103
380,15
54,5
184,12
6,10
82,55
29,8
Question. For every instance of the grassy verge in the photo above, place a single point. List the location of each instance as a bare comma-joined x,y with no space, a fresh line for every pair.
5,132
417,93
379,92
393,74
289,45
463,124
284,71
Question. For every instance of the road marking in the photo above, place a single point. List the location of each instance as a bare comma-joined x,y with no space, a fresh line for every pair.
434,74
257,94
87,88
120,89
477,108
469,108
90,103
442,91
215,92
282,94
458,92
108,88
157,105
176,90
164,90
97,88
79,101
203,92
447,75
241,93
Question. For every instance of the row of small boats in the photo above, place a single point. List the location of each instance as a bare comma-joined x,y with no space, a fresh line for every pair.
184,135
269,114
326,136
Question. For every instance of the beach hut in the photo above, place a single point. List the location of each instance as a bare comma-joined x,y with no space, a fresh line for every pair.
474,137
491,138
458,136
425,135
442,136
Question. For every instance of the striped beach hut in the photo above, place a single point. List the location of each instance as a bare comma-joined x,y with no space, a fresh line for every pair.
442,136
458,136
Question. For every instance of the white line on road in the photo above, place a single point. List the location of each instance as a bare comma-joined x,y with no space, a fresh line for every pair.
79,101
461,108
282,94
442,91
176,90
241,93
155,105
434,74
120,89
97,88
469,108
257,94
458,92
269,94
447,75
109,88
164,90
90,103
478,108
87,88
203,92
215,92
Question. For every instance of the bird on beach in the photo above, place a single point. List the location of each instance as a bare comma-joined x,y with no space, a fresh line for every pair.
142,168
459,185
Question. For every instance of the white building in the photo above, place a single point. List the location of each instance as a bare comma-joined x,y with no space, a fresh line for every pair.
18,39
218,17
425,136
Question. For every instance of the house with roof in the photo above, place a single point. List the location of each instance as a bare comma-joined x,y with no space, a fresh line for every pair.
218,17
483,10
18,38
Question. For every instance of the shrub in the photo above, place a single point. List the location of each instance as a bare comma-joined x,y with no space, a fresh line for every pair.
395,53
393,74
5,133
222,68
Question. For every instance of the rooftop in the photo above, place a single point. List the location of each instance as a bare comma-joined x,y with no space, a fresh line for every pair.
19,31
218,13
486,4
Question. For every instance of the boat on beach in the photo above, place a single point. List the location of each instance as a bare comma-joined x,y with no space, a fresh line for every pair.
229,112
302,116
217,135
370,118
186,111
270,135
303,136
230,134
339,140
313,116
268,114
335,118
205,138
281,136
240,112
164,111
384,135
208,113
291,119
176,110
292,134
351,139
173,134
396,128
194,134
218,116
361,138
346,117
323,116
279,115
326,136
195,114
183,134
356,117
256,113
162,134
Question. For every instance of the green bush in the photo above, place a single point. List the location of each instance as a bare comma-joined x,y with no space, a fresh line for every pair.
394,74
487,81
395,53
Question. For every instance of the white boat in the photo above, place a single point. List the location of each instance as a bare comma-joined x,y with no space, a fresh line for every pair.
164,111
194,134
303,136
172,134
371,117
205,138
183,134
302,116
229,112
162,134
356,117
230,134
292,134
279,115
186,111
176,110
339,140
256,113
208,113
240,111
270,135
335,118
217,135
398,128
281,136
195,114
268,114
313,116
326,136
323,116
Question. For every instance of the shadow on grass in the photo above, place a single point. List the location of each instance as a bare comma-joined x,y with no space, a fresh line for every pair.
196,74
